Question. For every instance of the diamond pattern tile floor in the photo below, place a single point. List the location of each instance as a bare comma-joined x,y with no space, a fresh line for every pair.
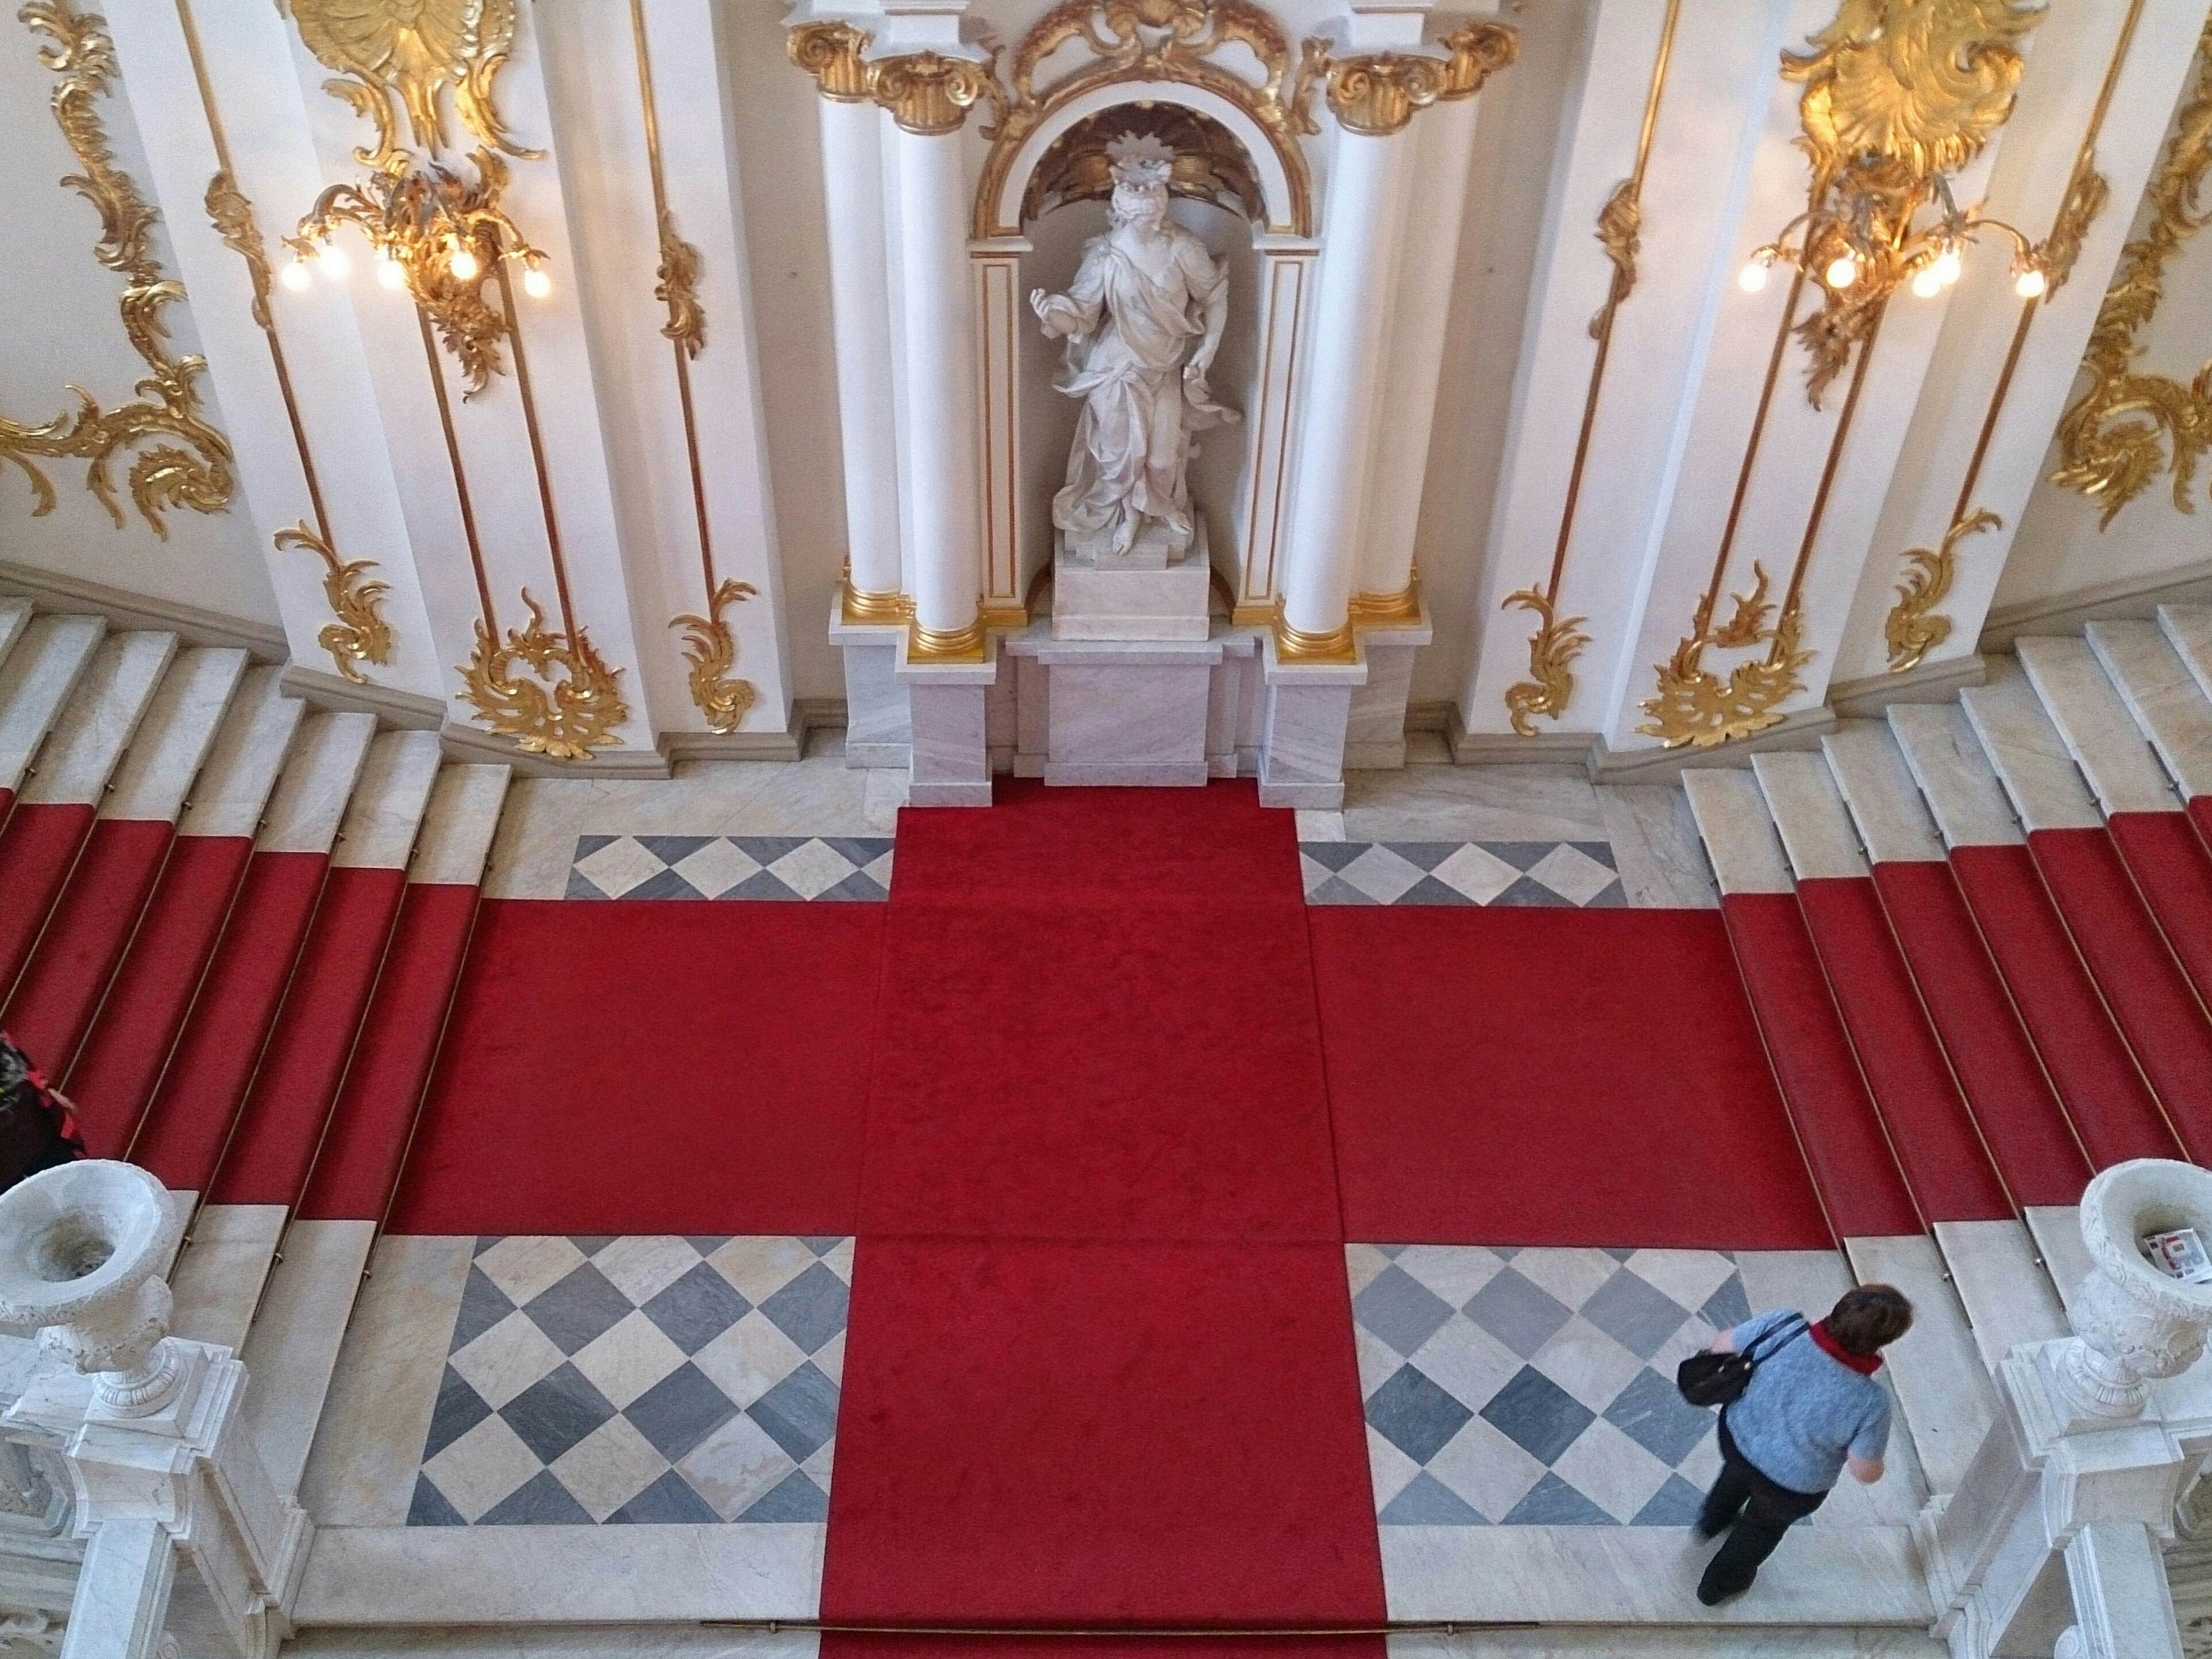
639,1380
835,867
1573,873
1535,1388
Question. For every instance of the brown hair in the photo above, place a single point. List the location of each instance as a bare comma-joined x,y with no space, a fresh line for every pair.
1870,1318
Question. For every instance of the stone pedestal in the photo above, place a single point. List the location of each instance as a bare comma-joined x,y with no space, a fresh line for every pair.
1141,596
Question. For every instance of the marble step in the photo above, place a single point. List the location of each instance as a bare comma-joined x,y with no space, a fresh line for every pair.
252,745
1997,1269
2058,1230
14,617
221,1269
1809,815
1943,1391
1886,807
1738,831
2188,629
2046,789
110,698
389,798
174,736
2162,695
314,791
292,1350
1954,775
35,680
2113,750
459,825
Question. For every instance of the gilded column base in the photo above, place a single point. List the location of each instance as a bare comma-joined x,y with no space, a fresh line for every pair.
1386,609
945,645
1254,613
1006,613
861,608
1296,644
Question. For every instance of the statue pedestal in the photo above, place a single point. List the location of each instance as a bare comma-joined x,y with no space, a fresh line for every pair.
1138,597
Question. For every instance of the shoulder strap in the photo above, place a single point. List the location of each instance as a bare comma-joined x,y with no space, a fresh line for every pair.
1775,1340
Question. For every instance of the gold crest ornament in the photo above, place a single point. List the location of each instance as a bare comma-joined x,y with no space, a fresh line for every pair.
562,719
406,53
180,459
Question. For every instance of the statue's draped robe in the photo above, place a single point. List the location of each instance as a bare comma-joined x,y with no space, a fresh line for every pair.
1132,440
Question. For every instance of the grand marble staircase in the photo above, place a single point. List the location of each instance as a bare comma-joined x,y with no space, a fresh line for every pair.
1978,941
230,928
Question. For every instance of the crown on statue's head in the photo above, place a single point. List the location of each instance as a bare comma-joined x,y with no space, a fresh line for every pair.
1140,159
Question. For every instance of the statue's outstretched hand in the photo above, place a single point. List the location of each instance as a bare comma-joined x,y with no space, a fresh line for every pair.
1053,310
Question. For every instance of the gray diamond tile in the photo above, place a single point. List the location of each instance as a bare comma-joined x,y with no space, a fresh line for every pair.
1537,1415
811,1309
762,885
668,1501
556,1412
1518,1313
859,887
1332,855
1674,1504
678,1412
1651,1412
1337,890
696,1308
459,1408
1414,1415
794,1498
1427,1502
429,1507
587,845
483,1304
799,1413
673,849
1424,854
1552,1502
579,1307
540,1501
1633,1313
1728,1307
1521,854
581,886
666,885
1530,891
1429,890
1399,1309
767,849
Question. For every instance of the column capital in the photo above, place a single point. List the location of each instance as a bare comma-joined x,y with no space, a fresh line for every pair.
1479,50
829,50
930,93
1377,94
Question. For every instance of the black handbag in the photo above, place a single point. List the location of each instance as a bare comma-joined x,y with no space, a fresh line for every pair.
1719,1379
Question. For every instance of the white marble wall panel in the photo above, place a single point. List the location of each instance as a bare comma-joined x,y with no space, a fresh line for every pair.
95,725
1738,831
1375,730
2112,752
951,764
1131,718
1893,820
251,747
2162,695
878,729
1809,813
174,735
14,617
34,684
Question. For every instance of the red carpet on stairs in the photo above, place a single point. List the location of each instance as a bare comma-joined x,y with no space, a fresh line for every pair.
122,1056
2173,872
38,848
876,1644
2028,1131
2157,1009
2105,1094
2200,814
1842,1134
1598,1047
1062,1433
1946,1164
55,999
223,1035
390,1065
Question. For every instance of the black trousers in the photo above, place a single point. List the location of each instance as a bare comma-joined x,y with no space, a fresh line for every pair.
1755,1512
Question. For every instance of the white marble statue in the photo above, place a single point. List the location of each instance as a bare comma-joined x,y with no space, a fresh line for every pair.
1143,291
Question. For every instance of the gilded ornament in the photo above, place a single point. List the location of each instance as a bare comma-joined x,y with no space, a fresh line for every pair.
1696,708
1209,164
1479,50
406,52
2086,197
424,218
830,52
2131,426
1378,93
563,718
1619,232
361,633
945,644
232,216
711,650
678,289
1296,645
1551,652
858,605
929,94
1913,628
195,471
1746,623
1160,40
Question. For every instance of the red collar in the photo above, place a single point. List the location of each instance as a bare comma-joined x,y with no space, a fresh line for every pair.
1865,1364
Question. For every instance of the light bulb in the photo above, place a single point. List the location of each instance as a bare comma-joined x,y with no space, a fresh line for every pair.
464,263
536,283
297,276
1752,276
333,259
1947,266
389,271
1842,270
1928,285
2031,283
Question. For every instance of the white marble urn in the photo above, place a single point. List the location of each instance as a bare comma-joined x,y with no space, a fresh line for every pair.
2134,1323
81,1250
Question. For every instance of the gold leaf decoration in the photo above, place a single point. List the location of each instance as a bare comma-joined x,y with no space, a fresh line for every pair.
2131,426
1747,624
232,216
2086,197
563,718
194,471
361,633
1695,707
407,52
1175,40
1619,232
1377,94
678,289
711,649
830,52
1913,628
1553,649
930,93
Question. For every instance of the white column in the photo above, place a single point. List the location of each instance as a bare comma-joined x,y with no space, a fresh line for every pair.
859,300
1368,183
940,382
1446,139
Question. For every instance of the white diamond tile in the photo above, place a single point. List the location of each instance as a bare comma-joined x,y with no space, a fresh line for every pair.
626,1360
1381,874
523,1266
1572,1276
1611,1470
750,1357
1486,1468
1454,1271
716,867
736,1466
1689,1277
811,870
506,1359
1481,875
761,1265
1587,1363
619,865
481,1467
608,1466
1572,874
